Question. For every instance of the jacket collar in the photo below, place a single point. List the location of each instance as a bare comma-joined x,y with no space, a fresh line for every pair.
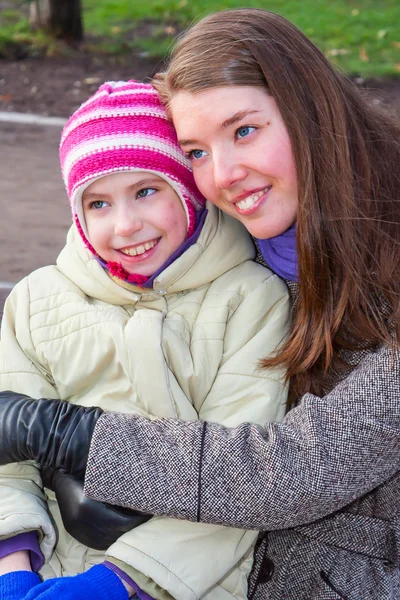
222,245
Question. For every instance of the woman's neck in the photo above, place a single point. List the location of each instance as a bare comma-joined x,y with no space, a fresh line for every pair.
280,253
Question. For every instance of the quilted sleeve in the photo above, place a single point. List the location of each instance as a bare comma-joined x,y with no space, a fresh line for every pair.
23,504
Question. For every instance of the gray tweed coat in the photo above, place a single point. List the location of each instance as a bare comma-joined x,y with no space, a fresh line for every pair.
323,487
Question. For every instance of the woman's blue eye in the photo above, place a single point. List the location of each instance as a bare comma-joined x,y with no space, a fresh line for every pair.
244,131
196,154
97,204
146,192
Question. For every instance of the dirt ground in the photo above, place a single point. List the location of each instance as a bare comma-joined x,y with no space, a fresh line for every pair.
57,86
34,207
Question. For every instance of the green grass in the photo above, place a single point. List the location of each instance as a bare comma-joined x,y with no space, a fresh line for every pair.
16,38
359,36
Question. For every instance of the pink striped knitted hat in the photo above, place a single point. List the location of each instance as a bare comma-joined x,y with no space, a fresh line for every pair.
124,127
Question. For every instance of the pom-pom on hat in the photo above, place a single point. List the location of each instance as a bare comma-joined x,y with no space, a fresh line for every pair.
124,127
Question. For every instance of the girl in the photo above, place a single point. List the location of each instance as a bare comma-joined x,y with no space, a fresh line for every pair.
156,308
285,144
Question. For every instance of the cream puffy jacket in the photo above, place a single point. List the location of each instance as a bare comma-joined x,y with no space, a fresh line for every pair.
187,349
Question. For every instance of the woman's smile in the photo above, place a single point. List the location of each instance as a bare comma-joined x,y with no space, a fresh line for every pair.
251,201
241,155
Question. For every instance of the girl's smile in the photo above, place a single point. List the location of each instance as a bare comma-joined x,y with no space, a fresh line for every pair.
140,251
134,218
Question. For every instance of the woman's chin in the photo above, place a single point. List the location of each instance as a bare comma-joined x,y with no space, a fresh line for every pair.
262,229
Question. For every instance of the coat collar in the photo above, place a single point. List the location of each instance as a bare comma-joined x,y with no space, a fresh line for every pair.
222,245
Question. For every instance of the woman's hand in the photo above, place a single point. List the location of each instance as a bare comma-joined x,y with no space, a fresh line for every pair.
53,433
94,524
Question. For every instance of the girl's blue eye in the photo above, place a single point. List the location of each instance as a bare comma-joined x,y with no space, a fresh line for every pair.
97,204
244,131
196,154
146,192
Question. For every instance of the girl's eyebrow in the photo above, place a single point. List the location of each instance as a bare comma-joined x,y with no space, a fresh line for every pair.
86,196
146,181
91,195
238,116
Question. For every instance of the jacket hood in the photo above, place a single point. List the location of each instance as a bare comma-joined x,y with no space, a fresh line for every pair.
222,244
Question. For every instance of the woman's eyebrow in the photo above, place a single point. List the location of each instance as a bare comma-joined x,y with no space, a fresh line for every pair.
187,142
238,116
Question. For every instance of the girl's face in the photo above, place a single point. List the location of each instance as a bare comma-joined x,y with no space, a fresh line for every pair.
241,155
135,219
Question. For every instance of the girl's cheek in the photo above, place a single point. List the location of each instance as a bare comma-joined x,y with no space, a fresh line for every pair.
173,218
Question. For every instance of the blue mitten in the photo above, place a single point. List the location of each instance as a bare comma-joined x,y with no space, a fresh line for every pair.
15,585
99,583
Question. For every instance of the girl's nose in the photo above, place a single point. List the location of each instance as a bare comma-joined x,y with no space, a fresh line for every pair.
127,222
227,172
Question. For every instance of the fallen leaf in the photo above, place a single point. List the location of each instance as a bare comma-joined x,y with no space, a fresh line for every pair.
395,44
363,54
338,52
169,30
381,33
115,30
397,67
91,80
5,97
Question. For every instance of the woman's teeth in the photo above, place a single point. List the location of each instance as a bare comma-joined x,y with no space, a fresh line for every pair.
139,249
252,199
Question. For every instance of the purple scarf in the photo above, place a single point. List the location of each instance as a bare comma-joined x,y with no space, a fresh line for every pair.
280,254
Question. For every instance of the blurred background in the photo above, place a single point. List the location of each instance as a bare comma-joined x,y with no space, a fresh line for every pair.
55,53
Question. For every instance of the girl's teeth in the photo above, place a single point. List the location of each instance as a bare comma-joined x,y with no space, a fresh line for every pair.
139,249
251,200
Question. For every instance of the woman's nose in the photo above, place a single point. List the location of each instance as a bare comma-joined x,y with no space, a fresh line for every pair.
227,172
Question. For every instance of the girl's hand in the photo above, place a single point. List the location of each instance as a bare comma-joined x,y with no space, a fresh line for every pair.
99,583
17,561
15,585
129,589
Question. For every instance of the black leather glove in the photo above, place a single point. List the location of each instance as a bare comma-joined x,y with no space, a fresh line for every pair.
94,524
53,433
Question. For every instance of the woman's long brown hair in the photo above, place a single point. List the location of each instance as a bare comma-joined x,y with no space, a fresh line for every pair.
346,153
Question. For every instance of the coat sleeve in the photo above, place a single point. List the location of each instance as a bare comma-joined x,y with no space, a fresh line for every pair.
187,559
327,452
23,504
255,330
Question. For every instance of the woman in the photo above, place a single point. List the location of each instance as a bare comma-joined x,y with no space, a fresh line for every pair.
286,145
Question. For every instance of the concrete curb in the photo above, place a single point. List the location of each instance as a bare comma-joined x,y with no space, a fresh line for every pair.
29,119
